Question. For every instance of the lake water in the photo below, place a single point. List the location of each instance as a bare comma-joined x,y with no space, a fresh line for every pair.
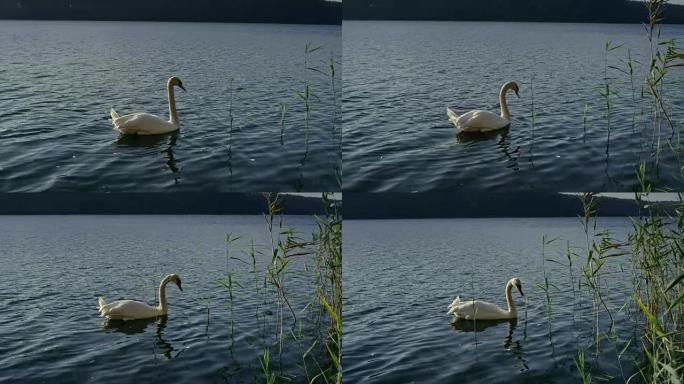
60,79
400,276
400,76
55,267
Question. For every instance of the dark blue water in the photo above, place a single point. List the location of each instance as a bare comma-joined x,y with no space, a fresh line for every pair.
60,79
400,276
401,75
55,267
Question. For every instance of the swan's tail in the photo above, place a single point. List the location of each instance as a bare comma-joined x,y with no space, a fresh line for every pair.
453,117
114,115
454,304
101,304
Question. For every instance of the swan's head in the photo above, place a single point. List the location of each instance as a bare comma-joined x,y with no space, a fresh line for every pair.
174,81
173,278
516,283
512,85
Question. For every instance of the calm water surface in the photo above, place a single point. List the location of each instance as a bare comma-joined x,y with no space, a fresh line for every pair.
400,76
400,276
60,79
54,268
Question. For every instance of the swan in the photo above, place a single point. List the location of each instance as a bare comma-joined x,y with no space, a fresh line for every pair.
481,310
484,121
145,124
135,310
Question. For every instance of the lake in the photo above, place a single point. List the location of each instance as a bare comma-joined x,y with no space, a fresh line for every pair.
401,75
55,268
400,276
61,78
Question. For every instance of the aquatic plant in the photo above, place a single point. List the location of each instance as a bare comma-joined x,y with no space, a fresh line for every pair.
283,110
658,255
607,92
582,368
546,287
307,93
314,329
660,64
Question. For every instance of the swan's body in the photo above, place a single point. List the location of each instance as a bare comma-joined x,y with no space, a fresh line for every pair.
146,124
134,310
482,310
484,121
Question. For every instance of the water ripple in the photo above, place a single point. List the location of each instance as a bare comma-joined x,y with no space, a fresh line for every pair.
401,75
61,78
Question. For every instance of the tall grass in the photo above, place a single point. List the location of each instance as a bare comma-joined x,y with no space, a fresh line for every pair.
657,245
664,56
303,321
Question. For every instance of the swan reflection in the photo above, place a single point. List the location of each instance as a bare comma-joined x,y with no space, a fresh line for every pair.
166,141
134,327
510,344
503,144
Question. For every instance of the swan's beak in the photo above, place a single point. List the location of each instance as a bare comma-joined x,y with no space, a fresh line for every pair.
183,88
520,290
517,94
179,286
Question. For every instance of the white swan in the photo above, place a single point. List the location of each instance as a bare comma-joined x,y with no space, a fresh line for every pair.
145,124
483,121
134,310
481,310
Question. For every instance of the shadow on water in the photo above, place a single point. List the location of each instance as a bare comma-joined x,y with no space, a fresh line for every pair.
481,325
146,141
502,142
134,327
130,327
167,141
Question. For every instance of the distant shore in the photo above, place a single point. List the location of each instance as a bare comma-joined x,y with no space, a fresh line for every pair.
553,11
255,11
452,204
178,203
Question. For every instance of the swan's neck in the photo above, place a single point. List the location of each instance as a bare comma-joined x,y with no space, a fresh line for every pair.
509,300
504,104
162,297
173,114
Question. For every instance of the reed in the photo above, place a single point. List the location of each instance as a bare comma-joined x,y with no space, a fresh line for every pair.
307,94
658,256
607,92
314,330
546,286
231,97
283,111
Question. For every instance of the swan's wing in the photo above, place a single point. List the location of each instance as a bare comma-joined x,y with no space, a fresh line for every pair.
453,304
453,117
101,304
480,121
142,124
460,308
128,309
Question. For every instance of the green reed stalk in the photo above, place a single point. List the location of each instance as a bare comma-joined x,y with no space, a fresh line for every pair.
533,120
231,93
582,368
283,111
607,92
546,287
584,122
307,94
